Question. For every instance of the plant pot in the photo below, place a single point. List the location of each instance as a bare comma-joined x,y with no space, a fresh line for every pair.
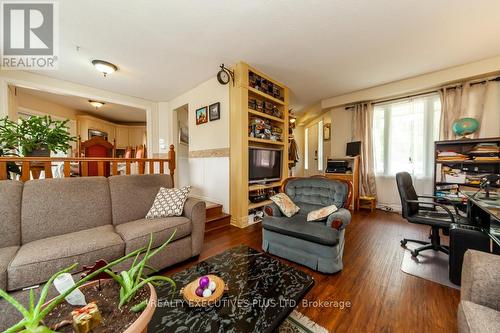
140,325
42,151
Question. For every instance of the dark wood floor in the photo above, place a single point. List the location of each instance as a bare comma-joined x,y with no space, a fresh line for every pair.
382,297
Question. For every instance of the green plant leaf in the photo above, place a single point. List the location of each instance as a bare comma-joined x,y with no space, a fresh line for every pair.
12,301
139,307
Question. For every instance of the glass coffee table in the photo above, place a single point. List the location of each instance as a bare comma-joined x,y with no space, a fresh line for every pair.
262,293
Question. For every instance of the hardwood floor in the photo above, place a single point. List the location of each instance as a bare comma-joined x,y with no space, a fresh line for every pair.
382,297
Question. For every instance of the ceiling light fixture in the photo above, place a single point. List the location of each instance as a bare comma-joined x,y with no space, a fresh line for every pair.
104,67
96,104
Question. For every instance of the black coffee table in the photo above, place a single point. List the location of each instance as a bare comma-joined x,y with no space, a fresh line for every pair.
262,293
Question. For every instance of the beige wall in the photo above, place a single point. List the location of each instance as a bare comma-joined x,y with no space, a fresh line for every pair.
208,176
41,105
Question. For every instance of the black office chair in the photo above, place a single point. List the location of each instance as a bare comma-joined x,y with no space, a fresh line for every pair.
426,212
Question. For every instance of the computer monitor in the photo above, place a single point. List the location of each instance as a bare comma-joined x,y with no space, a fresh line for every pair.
353,148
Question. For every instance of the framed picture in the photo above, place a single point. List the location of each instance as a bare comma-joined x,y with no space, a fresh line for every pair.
214,111
201,115
326,132
183,134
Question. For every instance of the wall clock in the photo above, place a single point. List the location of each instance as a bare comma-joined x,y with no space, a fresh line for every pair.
225,75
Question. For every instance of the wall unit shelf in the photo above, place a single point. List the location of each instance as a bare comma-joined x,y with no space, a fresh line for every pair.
265,96
269,142
257,187
247,107
259,204
265,115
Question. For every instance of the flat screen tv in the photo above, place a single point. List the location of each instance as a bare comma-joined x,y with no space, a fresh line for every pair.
264,164
353,148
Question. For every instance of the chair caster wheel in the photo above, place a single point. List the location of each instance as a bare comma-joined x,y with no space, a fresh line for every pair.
403,243
414,254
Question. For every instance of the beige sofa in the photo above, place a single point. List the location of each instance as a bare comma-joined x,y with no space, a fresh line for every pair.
479,308
47,225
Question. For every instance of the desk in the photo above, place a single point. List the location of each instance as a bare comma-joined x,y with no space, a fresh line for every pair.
485,213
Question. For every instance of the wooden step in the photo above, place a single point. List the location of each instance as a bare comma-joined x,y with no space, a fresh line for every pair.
216,218
213,209
217,222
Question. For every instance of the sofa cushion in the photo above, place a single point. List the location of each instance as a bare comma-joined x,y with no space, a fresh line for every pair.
473,317
297,226
6,256
317,191
132,196
136,233
52,207
168,202
10,211
37,261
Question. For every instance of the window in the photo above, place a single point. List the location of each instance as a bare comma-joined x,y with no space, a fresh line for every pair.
306,149
404,132
320,145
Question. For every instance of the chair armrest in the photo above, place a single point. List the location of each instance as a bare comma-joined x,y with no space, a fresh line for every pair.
343,215
481,279
435,204
442,199
272,210
196,211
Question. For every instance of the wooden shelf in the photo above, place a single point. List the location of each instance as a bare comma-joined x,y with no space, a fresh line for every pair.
266,96
467,162
279,143
265,115
257,187
259,204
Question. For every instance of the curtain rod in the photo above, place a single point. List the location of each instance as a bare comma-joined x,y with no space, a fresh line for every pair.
395,98
497,79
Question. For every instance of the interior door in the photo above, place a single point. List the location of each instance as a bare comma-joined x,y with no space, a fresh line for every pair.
312,151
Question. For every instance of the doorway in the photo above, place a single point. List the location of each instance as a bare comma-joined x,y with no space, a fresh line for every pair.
182,142
314,150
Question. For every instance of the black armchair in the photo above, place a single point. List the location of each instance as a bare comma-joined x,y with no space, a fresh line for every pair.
427,213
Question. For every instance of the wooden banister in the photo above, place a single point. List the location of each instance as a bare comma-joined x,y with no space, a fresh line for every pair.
32,166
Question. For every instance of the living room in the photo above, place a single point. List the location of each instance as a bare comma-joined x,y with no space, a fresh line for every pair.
263,166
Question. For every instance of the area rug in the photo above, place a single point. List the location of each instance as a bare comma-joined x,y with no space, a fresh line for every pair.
299,323
430,265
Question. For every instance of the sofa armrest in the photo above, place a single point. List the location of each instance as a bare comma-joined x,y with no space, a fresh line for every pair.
195,210
272,210
341,217
481,279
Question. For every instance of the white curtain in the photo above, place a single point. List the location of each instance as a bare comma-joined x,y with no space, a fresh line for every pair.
467,100
362,131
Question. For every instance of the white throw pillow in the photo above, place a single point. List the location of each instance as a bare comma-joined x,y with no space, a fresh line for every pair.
285,204
322,213
168,202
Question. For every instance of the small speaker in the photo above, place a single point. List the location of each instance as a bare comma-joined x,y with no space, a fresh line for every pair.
462,238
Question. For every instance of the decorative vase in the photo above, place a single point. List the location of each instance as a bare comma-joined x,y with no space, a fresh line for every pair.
465,126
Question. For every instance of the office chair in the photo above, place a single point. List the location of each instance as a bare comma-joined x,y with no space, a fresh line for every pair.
426,212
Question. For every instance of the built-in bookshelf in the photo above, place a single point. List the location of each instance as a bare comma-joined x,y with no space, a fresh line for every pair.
259,118
460,165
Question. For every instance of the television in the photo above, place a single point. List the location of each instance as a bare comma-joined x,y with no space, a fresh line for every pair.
353,148
264,164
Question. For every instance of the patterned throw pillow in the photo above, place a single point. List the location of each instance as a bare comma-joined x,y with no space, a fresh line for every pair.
285,204
168,202
321,214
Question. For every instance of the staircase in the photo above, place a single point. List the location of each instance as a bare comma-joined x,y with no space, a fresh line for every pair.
216,219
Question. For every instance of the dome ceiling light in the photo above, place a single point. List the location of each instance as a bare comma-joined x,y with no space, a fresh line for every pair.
104,67
96,104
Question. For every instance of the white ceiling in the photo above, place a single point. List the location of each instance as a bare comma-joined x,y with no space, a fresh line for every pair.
318,48
110,111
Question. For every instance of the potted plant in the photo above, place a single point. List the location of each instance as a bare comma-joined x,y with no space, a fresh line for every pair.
8,144
38,135
127,285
